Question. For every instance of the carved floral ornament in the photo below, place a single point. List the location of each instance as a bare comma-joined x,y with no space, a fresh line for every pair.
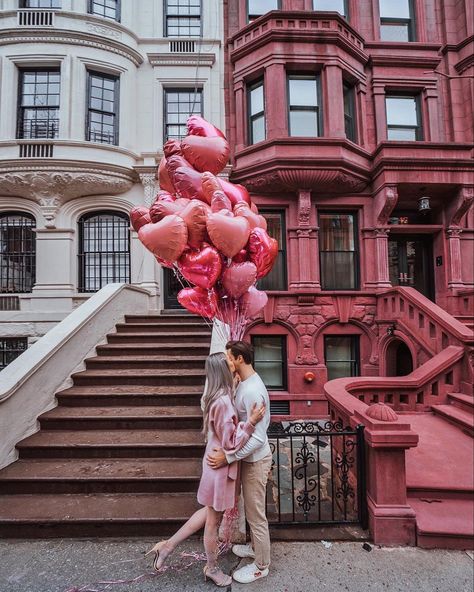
50,189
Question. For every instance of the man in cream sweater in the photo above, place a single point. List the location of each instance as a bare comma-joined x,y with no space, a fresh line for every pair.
256,463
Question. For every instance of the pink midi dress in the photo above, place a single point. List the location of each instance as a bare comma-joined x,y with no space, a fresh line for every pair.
218,486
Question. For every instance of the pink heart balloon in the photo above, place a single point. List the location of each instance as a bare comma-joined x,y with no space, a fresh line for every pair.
163,177
164,196
165,239
199,301
255,220
198,126
164,263
188,184
139,217
241,256
229,235
206,154
252,302
238,278
236,193
209,184
220,201
172,147
254,208
195,215
202,268
161,208
263,250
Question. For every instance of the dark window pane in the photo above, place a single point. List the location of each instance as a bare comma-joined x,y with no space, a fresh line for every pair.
41,4
341,355
276,279
11,348
330,5
338,254
349,112
180,104
270,360
17,252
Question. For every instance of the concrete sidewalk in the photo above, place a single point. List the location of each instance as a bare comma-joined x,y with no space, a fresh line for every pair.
60,565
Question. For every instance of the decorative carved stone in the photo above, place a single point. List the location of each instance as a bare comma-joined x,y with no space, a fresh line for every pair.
306,354
462,203
304,208
454,232
381,412
148,181
61,185
387,199
49,208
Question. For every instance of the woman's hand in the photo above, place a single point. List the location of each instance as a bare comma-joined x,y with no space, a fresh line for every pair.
257,413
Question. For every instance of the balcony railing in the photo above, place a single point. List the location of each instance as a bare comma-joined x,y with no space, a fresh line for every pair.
36,18
38,129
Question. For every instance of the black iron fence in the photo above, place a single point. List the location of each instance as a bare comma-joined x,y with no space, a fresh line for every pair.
318,474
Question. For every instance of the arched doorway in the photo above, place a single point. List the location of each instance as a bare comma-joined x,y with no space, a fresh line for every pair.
399,359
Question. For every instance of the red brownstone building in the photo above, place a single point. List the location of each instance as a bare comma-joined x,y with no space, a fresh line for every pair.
351,125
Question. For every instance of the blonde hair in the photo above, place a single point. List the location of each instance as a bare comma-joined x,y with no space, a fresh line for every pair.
219,383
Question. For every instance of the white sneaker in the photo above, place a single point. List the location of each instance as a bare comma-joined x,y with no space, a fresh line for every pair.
249,573
243,551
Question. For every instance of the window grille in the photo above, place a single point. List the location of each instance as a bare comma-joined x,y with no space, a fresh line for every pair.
107,8
104,250
38,104
17,252
11,348
183,18
179,104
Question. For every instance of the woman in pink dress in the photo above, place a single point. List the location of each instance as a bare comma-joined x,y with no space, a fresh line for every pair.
217,489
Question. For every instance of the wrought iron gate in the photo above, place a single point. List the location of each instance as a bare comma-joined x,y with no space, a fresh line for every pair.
318,474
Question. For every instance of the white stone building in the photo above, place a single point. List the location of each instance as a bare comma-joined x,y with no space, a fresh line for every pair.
89,91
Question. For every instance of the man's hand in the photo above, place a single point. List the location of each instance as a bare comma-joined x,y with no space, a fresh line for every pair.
216,460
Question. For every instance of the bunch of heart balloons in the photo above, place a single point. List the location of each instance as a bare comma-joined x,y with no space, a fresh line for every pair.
207,230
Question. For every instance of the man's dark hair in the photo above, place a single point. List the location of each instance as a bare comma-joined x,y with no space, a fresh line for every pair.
241,348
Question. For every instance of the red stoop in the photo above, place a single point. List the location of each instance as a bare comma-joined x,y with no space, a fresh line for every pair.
440,482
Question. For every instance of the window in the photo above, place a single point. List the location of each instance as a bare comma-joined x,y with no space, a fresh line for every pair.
17,253
183,18
338,251
38,104
180,103
256,110
107,8
339,6
303,102
349,112
256,8
102,114
11,348
40,4
104,250
276,279
341,353
270,360
403,118
396,20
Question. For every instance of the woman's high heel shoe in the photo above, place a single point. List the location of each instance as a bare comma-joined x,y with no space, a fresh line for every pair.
217,576
160,554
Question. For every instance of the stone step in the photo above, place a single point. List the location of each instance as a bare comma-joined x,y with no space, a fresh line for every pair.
151,377
180,327
445,523
101,475
456,416
112,444
166,319
129,395
464,402
158,362
162,349
77,515
122,418
201,337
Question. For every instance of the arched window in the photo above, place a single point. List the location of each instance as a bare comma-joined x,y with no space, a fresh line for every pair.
17,252
104,250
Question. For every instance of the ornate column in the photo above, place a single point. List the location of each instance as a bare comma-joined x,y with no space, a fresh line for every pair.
306,247
148,180
240,124
275,108
432,102
380,113
334,105
454,249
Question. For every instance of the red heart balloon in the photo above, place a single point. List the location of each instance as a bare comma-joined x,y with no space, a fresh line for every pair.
172,147
252,302
210,184
199,301
188,184
174,162
240,257
220,201
229,235
255,220
195,215
139,217
165,239
254,208
198,126
161,208
206,154
202,268
263,250
164,263
163,177
236,193
164,196
238,278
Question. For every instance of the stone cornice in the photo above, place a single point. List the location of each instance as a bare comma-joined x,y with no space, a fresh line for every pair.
63,36
406,61
292,141
457,46
464,64
182,59
410,46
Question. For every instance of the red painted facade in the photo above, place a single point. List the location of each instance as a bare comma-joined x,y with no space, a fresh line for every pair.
314,182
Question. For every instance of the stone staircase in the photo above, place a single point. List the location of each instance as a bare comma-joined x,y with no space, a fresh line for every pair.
121,453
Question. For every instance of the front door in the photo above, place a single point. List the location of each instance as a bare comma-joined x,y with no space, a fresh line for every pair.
171,287
411,262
